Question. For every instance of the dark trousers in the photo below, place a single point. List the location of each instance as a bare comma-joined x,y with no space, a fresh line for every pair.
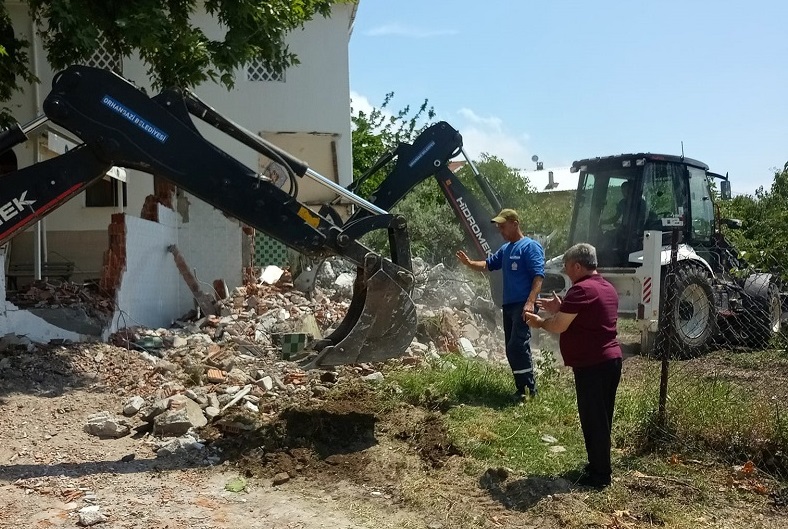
518,347
596,397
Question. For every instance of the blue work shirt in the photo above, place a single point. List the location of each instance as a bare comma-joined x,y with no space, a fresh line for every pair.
520,262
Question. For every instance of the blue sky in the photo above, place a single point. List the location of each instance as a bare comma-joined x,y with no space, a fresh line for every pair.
572,79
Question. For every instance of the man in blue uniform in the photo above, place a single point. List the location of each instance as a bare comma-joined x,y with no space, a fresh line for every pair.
521,260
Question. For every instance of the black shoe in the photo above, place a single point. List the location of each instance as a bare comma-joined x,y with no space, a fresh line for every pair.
594,481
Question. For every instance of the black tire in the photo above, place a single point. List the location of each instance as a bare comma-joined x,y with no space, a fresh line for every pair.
763,317
690,312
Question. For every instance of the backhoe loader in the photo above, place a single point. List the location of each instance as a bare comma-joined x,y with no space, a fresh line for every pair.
629,206
121,126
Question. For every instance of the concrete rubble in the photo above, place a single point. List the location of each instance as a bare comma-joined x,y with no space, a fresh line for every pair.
178,389
225,371
104,424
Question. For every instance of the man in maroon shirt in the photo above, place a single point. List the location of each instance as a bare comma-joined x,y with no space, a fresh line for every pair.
586,320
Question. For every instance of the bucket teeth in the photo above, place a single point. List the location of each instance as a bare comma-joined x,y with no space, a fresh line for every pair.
382,322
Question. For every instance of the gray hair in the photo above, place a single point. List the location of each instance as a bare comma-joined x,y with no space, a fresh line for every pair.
582,253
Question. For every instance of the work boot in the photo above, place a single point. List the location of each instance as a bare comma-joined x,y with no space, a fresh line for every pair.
521,397
518,397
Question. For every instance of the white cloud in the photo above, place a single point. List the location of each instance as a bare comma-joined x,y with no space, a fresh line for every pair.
480,134
360,103
491,122
489,134
398,30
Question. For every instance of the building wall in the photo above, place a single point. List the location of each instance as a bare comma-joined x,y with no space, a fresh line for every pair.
23,323
150,289
211,244
314,101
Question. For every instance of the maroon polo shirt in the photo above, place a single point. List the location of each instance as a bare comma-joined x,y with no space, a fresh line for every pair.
591,337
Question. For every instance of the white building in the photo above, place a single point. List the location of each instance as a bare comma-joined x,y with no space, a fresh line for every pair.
551,179
306,111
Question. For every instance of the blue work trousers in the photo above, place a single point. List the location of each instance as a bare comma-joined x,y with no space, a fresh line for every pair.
518,347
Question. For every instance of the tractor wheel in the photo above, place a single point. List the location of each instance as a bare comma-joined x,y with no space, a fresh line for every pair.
691,316
763,318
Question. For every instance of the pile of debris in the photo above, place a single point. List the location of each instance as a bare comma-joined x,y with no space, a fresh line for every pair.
54,294
226,371
455,312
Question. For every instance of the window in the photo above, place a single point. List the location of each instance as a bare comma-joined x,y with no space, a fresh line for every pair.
256,71
584,210
701,208
104,193
600,204
665,191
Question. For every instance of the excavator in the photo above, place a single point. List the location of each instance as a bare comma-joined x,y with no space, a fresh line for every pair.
119,125
416,162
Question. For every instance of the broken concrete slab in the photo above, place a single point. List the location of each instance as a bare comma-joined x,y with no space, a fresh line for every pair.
104,424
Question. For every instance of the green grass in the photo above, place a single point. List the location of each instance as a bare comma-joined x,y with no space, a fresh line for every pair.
707,415
482,421
768,358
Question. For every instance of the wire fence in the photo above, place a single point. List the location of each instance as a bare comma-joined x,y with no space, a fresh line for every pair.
723,369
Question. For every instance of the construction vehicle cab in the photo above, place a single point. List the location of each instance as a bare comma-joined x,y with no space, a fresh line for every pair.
628,207
618,198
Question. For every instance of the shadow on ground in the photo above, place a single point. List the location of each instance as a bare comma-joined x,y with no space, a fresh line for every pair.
47,371
521,494
10,473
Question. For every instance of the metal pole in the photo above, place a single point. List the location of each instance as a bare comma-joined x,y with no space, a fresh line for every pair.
664,332
488,191
341,191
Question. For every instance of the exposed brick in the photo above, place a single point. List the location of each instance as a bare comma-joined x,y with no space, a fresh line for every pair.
164,192
115,256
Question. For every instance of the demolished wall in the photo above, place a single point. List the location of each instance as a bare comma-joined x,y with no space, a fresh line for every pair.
148,291
24,323
151,291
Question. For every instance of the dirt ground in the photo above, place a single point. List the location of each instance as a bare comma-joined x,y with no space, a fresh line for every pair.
336,462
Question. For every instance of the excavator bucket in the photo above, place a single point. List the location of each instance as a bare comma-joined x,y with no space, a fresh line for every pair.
380,324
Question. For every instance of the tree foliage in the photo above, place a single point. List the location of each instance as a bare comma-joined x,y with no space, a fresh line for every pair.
545,216
763,240
13,61
434,229
175,51
380,131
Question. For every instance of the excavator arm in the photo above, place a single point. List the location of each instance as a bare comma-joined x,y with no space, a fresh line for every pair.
428,156
121,126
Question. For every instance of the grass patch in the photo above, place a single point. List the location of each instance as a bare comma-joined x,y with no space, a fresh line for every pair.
756,360
707,416
482,420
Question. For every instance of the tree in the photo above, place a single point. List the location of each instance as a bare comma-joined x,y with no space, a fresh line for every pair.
542,214
511,188
434,229
379,131
763,240
13,62
175,51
